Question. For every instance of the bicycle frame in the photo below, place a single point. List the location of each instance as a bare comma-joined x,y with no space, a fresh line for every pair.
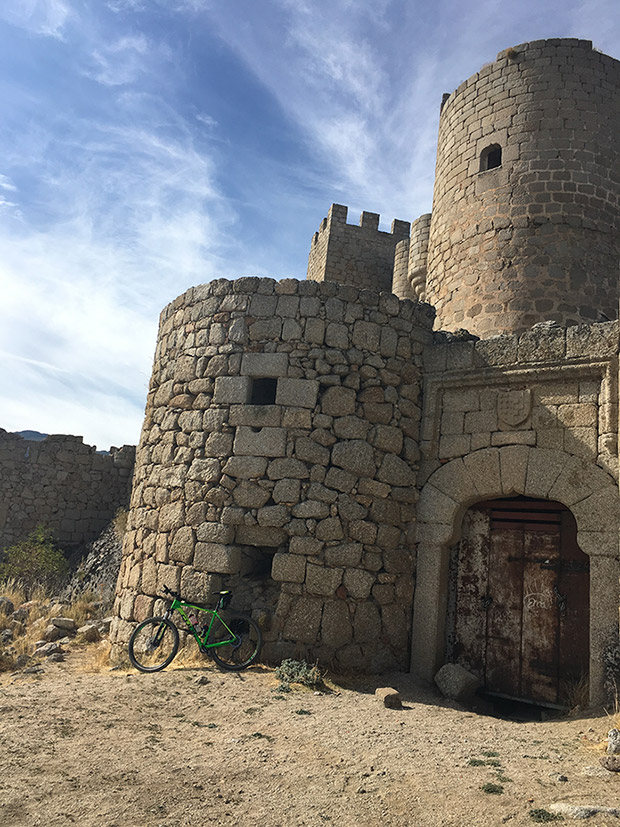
180,605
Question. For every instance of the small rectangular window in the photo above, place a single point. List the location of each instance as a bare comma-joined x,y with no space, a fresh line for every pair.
490,157
263,391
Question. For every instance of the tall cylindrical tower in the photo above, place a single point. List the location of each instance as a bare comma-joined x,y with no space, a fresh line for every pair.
525,223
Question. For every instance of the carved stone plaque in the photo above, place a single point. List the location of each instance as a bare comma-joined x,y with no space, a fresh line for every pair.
513,407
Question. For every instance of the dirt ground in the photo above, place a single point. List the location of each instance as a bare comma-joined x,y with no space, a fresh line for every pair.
115,748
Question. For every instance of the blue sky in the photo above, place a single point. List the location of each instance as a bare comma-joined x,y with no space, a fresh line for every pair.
149,145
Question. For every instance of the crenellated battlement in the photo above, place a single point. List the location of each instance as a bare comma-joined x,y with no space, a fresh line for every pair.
359,255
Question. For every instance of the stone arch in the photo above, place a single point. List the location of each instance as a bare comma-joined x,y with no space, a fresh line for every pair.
588,491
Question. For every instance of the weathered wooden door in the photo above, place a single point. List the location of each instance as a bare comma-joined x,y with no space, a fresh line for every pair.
522,599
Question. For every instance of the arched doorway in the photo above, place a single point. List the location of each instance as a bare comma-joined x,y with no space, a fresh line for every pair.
588,491
519,600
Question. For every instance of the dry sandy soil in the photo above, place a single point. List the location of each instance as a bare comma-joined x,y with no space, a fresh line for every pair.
116,748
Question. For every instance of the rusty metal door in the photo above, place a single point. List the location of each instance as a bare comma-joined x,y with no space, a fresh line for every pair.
522,599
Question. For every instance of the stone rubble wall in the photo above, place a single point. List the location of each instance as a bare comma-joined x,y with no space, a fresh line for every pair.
62,484
360,256
303,507
536,238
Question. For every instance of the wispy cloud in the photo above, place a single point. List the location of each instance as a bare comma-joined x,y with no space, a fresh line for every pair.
113,212
42,17
138,134
121,62
7,184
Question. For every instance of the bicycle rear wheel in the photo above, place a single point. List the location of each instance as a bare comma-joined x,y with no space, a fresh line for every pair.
153,644
243,649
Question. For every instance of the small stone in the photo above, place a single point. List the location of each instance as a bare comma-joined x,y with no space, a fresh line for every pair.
52,633
6,606
67,624
56,657
389,697
201,680
456,683
613,741
104,625
47,649
611,763
89,633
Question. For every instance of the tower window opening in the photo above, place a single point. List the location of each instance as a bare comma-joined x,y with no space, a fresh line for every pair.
490,157
263,391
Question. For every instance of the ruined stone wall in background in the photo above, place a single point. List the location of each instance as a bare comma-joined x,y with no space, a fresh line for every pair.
278,458
62,484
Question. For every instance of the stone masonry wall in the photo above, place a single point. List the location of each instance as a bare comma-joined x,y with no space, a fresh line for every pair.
536,238
550,387
361,256
62,484
418,255
278,458
532,415
400,282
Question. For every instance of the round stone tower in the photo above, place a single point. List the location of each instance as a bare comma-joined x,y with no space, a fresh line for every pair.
278,459
525,223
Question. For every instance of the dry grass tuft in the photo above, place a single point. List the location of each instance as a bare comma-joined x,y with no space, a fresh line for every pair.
97,659
576,693
190,656
120,522
41,609
81,609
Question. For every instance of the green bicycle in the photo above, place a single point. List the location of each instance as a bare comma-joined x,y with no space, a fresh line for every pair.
233,643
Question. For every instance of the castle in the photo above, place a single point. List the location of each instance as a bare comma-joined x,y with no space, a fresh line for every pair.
383,496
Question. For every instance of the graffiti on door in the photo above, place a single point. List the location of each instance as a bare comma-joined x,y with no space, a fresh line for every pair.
521,613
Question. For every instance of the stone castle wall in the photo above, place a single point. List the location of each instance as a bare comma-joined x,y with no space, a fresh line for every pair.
62,484
362,255
534,414
535,238
564,379
278,458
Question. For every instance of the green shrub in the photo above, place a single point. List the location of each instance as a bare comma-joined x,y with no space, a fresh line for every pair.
35,561
541,816
296,671
492,789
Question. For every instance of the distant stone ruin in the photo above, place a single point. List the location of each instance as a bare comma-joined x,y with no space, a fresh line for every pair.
62,484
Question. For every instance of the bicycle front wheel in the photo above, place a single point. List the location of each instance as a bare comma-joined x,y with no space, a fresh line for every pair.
242,647
153,644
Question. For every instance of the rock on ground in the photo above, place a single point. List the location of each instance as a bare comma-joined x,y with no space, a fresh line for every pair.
389,697
456,683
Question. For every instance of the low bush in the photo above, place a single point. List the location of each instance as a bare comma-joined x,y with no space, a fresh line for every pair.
35,561
296,671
